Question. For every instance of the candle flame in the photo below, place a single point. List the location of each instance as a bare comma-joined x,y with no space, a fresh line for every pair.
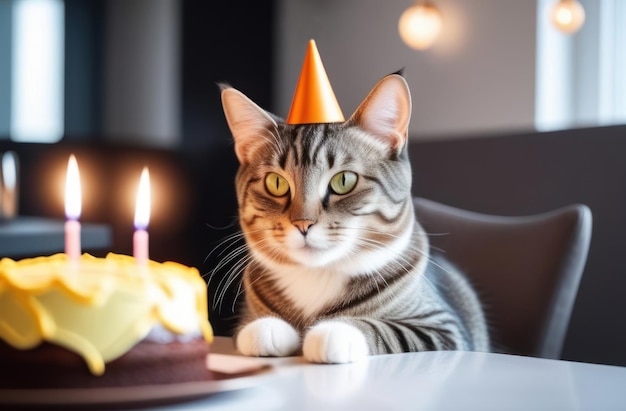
72,190
142,205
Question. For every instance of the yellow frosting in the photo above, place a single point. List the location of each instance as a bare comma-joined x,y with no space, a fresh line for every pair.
98,307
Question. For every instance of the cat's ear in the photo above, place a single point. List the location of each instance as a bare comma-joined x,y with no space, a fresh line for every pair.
249,123
386,111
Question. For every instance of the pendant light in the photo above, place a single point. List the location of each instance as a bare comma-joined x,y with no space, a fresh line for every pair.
568,16
420,25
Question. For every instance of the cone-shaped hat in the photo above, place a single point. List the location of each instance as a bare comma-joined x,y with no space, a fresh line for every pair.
314,100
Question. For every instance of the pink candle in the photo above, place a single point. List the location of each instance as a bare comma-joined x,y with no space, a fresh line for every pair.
142,219
72,210
140,246
72,239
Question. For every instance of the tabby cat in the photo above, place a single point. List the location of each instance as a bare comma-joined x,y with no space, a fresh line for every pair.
339,267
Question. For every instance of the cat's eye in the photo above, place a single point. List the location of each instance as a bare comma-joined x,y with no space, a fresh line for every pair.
343,183
276,184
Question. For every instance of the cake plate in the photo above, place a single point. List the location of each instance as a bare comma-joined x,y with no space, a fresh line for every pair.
229,373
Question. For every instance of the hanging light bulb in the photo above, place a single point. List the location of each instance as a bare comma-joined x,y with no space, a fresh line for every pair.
420,25
568,16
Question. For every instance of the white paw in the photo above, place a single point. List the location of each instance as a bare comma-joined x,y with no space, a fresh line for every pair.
268,337
334,342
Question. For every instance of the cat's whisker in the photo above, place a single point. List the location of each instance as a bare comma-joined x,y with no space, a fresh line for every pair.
436,234
271,137
233,223
235,271
431,260
222,287
233,274
423,253
224,245
240,250
246,288
240,289
375,273
381,246
392,235
237,295
405,266
227,245
368,230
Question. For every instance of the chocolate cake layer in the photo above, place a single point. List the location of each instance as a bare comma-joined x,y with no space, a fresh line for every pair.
147,363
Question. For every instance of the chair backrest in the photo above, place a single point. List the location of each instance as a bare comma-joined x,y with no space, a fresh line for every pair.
526,269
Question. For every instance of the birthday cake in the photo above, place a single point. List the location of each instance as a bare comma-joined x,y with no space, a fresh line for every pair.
101,322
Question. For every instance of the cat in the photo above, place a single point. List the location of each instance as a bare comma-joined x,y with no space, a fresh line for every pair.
339,268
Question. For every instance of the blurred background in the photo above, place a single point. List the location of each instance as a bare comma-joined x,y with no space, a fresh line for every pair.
510,115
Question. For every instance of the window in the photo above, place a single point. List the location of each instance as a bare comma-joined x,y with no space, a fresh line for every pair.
581,78
31,88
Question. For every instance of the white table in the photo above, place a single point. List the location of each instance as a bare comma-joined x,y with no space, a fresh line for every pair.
425,381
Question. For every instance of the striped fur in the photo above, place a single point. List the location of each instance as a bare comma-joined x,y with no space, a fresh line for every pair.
341,276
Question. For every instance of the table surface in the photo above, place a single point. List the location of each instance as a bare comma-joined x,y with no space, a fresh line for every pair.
441,380
32,236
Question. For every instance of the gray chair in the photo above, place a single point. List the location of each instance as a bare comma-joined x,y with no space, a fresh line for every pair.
526,269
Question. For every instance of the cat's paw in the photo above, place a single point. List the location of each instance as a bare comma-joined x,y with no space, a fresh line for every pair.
334,342
268,337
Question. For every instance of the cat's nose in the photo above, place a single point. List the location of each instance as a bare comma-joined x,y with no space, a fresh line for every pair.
303,225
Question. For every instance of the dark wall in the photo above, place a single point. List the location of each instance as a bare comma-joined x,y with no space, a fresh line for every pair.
536,172
228,42
84,68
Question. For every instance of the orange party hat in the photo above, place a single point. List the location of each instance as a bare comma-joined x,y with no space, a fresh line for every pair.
314,100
